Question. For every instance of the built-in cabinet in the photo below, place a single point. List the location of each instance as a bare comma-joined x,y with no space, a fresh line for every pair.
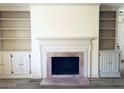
15,63
109,54
21,63
15,33
5,63
109,63
107,30
15,44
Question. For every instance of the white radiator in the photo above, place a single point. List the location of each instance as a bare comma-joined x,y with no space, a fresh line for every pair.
109,64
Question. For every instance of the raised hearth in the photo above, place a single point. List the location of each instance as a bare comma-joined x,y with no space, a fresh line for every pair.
66,81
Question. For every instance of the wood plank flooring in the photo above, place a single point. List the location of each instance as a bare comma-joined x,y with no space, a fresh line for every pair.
35,84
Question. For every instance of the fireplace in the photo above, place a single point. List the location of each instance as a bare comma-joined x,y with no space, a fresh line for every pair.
73,67
65,64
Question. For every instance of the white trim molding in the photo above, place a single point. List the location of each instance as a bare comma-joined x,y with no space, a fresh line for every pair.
65,45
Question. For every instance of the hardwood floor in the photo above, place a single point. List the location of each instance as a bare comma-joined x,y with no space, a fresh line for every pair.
35,84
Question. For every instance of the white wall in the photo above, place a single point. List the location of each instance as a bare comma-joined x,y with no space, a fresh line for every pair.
63,21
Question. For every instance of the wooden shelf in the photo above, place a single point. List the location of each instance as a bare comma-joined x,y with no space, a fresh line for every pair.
15,28
15,38
107,19
107,37
14,19
15,31
108,28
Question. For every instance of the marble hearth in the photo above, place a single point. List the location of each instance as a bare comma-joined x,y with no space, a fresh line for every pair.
65,82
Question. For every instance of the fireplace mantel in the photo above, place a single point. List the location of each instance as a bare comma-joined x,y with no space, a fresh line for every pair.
83,44
66,38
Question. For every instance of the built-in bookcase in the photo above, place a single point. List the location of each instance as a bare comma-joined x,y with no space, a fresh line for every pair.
15,30
107,30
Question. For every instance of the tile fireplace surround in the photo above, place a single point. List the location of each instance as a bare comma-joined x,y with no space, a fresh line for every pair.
64,54
65,48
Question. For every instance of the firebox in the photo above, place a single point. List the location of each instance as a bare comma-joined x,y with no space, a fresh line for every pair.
65,65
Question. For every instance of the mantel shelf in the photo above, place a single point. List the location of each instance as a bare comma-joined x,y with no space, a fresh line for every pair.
73,38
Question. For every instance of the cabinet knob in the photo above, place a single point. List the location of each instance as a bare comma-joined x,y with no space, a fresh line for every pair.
29,55
11,56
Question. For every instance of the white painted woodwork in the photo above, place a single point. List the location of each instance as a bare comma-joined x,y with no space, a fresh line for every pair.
1,64
65,45
7,69
15,40
121,31
25,63
109,63
16,63
21,63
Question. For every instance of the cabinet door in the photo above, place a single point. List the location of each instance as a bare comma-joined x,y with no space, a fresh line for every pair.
25,63
1,64
7,65
109,62
104,63
115,62
16,63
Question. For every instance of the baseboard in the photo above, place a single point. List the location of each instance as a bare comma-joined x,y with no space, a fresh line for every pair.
110,74
94,76
35,77
15,76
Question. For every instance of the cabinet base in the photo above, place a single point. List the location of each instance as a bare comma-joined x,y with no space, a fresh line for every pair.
14,76
117,74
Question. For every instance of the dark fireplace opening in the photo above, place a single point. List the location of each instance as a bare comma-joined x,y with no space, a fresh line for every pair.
65,65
